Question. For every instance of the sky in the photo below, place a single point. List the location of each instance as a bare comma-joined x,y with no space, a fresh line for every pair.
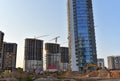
20,19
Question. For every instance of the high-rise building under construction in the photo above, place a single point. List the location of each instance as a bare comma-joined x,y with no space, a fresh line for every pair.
81,34
9,53
64,58
1,43
33,55
53,57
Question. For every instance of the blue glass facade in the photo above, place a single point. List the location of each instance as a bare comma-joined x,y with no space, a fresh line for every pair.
85,46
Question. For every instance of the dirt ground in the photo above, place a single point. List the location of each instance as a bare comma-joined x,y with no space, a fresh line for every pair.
98,75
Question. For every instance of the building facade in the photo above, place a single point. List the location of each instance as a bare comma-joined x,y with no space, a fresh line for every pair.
53,57
81,34
113,62
1,43
64,58
9,53
100,62
33,55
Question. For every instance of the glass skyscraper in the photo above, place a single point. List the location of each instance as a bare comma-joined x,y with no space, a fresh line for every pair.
81,34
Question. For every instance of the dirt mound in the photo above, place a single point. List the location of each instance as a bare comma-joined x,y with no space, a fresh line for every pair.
103,73
114,73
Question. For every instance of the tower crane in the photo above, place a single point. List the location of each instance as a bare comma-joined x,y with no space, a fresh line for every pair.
65,42
56,38
40,36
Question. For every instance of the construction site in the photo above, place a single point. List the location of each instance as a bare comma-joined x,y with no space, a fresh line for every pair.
96,75
57,66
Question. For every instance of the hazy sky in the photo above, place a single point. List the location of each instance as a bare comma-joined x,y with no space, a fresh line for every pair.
20,19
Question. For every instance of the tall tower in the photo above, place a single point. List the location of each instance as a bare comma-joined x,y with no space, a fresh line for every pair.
81,34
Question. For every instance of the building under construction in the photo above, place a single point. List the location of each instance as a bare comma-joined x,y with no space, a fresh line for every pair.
33,55
9,53
53,57
1,42
64,58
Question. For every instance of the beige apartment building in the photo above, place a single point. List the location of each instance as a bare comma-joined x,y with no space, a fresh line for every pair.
113,62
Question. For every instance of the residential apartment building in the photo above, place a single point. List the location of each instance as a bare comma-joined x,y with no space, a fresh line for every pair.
33,57
113,62
100,62
81,34
9,53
